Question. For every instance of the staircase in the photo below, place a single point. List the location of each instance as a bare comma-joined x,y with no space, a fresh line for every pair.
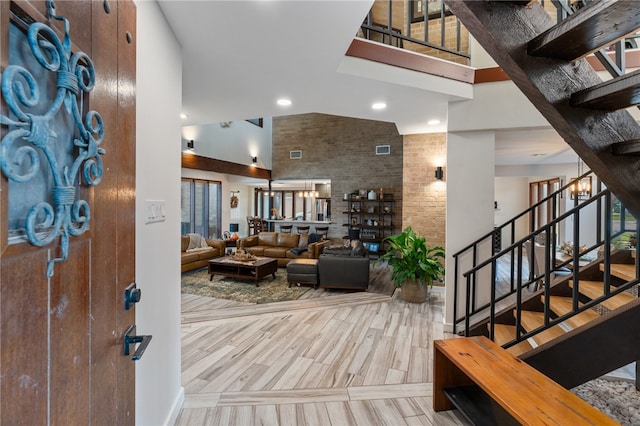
577,327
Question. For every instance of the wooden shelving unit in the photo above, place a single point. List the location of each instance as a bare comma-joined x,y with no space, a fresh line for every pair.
372,217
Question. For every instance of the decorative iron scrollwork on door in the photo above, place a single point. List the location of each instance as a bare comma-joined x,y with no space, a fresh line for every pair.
32,142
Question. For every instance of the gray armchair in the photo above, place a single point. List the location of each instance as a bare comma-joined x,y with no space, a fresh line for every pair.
344,271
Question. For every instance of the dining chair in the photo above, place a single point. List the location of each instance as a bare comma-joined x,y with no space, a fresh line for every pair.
322,230
538,264
302,229
286,229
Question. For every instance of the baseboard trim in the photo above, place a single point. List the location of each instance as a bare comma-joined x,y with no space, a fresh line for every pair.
175,409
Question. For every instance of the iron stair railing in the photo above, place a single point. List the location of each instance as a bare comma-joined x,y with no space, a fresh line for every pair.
484,273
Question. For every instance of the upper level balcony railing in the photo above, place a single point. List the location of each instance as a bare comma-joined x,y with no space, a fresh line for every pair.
429,27
422,26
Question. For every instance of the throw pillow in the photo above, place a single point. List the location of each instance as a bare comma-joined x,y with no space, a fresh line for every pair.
339,251
314,238
298,250
357,248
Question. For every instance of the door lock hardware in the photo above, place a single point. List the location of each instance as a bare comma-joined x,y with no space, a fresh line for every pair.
132,295
130,338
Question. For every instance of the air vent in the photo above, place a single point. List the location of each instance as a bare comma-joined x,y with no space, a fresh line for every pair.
383,149
295,155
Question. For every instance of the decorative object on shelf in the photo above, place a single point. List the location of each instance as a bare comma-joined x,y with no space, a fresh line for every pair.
381,194
369,234
38,130
414,264
371,195
567,248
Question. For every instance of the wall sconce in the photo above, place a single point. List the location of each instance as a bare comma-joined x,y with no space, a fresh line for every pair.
439,173
254,160
190,144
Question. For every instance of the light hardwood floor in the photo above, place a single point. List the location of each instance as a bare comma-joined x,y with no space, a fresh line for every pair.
339,359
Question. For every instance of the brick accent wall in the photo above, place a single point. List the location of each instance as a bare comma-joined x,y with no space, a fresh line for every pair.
424,197
341,149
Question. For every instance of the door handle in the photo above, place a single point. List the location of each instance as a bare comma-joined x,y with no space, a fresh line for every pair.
132,295
131,338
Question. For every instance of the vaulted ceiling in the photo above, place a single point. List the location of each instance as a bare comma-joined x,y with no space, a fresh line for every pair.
240,56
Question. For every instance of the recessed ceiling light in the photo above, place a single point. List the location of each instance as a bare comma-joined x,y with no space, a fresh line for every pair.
379,105
433,122
283,102
183,115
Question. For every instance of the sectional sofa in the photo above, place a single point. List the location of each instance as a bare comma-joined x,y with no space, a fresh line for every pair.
284,246
198,257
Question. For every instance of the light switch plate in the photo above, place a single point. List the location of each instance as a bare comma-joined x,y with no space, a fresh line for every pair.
155,210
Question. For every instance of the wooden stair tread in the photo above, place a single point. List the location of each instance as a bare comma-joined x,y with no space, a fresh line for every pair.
631,147
504,333
564,305
532,320
626,271
595,289
612,95
587,30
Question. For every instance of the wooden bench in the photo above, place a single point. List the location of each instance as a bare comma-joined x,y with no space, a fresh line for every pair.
491,386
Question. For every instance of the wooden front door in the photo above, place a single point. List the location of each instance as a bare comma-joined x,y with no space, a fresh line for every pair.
61,337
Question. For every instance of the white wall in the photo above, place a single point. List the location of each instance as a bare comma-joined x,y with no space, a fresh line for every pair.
236,143
159,394
512,196
470,197
479,57
496,105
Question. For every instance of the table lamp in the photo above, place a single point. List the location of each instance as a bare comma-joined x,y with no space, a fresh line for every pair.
233,227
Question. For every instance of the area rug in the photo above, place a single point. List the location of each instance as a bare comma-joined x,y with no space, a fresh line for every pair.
270,290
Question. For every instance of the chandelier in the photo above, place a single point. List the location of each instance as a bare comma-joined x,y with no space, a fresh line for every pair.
580,186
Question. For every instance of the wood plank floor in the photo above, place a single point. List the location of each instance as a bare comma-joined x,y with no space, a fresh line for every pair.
328,359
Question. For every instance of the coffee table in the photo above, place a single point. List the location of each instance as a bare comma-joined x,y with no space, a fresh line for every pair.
254,270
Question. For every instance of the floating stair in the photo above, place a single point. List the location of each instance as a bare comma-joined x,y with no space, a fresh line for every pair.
564,305
504,333
595,289
588,30
622,270
553,74
533,320
546,62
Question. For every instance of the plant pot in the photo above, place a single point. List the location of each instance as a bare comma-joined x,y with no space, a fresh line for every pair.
414,293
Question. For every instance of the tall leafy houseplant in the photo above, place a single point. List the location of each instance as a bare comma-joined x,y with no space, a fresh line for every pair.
414,264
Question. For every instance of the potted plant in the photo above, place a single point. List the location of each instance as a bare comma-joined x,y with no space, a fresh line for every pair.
414,264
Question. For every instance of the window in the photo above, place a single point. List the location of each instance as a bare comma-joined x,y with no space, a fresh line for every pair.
201,207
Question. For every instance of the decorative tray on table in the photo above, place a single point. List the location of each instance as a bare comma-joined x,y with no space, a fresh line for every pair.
242,256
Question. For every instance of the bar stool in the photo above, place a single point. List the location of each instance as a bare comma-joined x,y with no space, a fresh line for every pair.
251,226
258,225
322,230
286,229
302,229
